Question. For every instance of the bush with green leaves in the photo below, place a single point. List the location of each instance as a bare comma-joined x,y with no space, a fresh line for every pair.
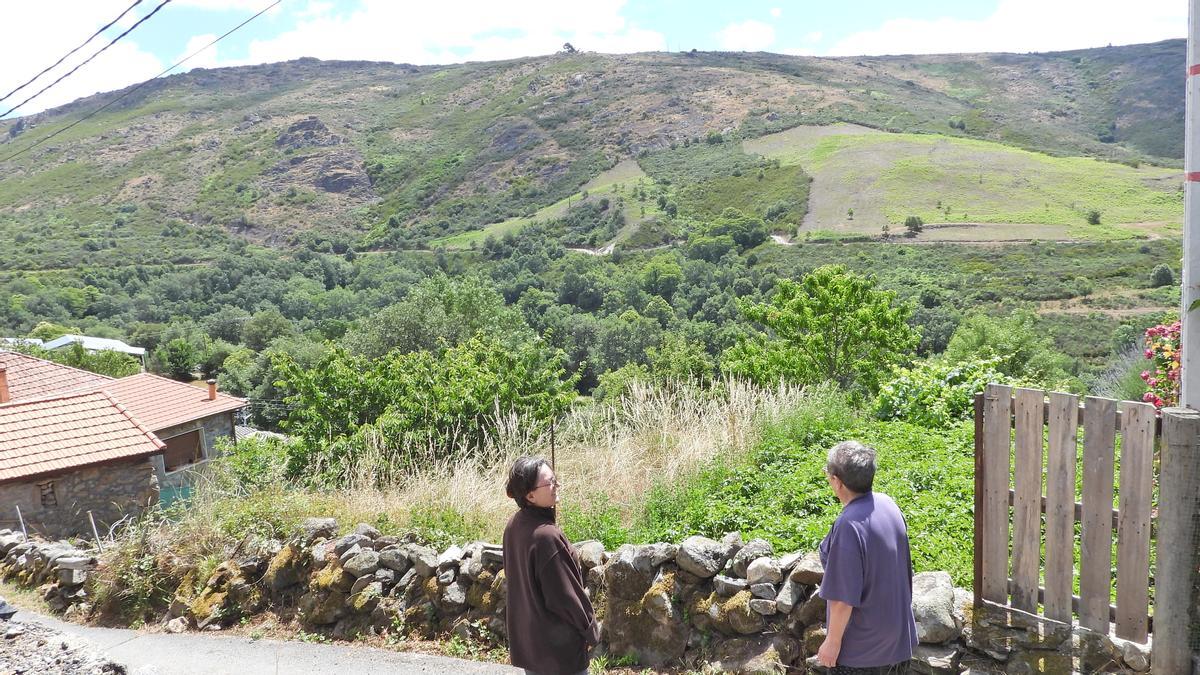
353,414
1161,276
832,325
935,393
780,493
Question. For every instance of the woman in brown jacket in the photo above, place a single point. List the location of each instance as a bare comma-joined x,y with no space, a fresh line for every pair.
551,624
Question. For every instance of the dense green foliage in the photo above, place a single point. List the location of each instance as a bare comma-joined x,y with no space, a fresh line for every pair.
937,393
780,493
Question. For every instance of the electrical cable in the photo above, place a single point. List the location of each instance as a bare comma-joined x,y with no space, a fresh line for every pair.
104,107
88,60
85,43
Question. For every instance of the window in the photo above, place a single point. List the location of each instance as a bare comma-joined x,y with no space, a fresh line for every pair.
46,492
182,450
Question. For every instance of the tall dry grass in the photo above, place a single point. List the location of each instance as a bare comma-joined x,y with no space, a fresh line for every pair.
612,453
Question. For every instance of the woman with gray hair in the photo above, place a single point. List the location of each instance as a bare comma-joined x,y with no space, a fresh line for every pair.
551,624
868,573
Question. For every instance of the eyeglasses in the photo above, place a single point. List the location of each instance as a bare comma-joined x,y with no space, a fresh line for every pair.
553,482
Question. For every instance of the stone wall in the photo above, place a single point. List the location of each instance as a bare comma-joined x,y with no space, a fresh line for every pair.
57,568
109,491
723,606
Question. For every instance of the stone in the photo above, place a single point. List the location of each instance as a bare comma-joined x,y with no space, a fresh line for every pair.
348,554
933,608
385,576
701,556
934,660
740,616
385,542
591,554
653,637
764,571
764,607
449,558
423,558
446,577
455,595
811,610
753,550
362,564
624,577
733,543
286,569
176,625
764,591
75,562
1135,655
493,555
349,541
790,593
367,531
763,655
789,560
405,580
808,570
394,559
361,583
728,586
814,637
652,555
69,577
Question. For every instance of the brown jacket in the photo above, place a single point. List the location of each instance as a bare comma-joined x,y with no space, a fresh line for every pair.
551,625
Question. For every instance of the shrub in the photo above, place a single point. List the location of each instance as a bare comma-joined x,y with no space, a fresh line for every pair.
1093,217
1161,276
1162,348
936,393
914,224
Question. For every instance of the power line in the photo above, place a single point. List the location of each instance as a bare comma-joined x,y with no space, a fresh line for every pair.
104,107
85,43
88,60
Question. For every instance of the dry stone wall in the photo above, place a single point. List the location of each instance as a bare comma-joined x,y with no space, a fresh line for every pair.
728,605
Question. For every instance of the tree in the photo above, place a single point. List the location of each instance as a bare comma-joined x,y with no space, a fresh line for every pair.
568,48
47,331
178,359
914,225
832,325
661,276
260,329
1024,352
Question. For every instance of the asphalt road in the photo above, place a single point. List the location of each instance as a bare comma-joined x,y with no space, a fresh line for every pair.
215,654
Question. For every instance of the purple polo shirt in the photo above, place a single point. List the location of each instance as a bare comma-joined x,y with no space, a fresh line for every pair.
868,566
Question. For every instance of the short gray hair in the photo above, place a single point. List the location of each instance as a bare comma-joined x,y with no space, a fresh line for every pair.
854,464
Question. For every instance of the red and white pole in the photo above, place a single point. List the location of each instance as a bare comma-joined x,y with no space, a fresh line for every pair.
1189,395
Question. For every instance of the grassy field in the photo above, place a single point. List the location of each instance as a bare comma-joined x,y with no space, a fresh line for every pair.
886,177
618,180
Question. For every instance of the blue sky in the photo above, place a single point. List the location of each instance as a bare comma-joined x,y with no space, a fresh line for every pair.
33,35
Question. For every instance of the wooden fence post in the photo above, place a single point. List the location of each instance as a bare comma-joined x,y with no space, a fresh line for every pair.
1176,620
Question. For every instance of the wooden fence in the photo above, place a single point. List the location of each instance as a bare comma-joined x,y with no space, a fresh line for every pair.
1026,462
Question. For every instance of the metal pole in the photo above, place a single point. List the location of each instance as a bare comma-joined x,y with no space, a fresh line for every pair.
21,520
1189,395
95,533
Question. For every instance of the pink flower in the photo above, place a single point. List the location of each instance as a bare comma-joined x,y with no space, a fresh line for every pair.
1148,396
1149,353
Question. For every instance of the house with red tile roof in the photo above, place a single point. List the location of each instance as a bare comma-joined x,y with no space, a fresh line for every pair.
184,421
66,455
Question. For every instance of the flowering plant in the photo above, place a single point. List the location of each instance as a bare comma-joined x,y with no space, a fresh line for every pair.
1162,379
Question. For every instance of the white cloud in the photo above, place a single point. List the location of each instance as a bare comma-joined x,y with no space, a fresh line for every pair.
1026,25
474,30
747,36
776,12
209,58
23,43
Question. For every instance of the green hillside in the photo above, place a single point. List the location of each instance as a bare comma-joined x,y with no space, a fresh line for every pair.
394,156
885,178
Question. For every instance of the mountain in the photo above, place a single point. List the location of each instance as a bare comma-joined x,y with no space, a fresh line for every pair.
392,155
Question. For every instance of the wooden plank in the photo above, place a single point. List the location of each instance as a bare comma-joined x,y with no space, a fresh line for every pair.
1027,484
997,443
1177,558
977,557
1079,513
1095,557
1075,600
1133,529
1060,506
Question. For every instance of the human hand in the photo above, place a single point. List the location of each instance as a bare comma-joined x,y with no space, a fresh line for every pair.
827,655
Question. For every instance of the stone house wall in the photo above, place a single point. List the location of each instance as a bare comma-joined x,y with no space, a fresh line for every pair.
56,505
213,429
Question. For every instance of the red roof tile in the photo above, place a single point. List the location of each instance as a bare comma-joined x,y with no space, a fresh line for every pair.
158,402
49,435
30,377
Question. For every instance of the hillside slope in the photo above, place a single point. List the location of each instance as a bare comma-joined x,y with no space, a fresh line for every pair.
387,155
